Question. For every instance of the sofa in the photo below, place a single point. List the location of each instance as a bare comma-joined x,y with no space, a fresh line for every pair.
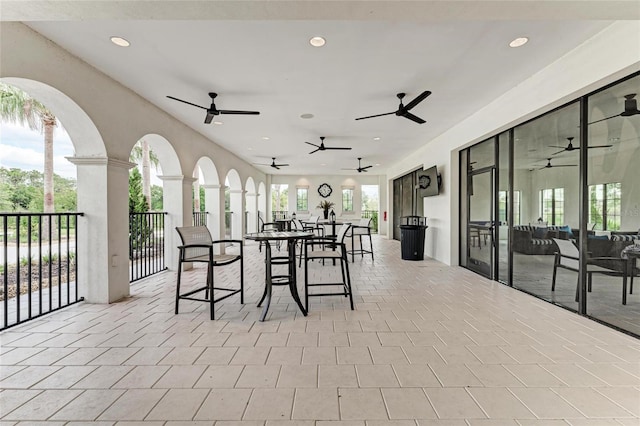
529,239
610,246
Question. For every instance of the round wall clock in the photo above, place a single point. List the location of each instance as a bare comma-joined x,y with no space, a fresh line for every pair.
324,190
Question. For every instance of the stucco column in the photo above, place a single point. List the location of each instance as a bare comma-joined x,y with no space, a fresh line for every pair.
103,231
237,217
177,200
252,209
212,205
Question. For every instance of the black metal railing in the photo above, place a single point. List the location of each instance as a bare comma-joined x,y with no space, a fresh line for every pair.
200,218
278,214
39,264
146,244
373,214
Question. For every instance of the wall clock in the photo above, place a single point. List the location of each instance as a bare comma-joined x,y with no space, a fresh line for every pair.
324,190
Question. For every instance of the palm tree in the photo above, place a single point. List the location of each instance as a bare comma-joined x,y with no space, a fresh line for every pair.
16,106
141,151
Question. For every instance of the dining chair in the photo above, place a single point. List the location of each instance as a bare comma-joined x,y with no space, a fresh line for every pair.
362,229
266,227
197,247
568,257
321,248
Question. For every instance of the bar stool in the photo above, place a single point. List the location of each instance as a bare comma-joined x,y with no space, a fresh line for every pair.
362,229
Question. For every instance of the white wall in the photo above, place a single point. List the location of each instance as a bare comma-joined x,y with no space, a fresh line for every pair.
336,183
608,56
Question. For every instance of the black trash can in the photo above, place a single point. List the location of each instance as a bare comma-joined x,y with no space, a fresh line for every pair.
412,230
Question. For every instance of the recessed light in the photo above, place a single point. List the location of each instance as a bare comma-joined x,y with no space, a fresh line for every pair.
377,164
377,138
119,41
317,41
250,149
219,123
520,41
323,164
306,116
265,138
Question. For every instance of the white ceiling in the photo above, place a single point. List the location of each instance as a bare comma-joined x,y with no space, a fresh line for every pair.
256,55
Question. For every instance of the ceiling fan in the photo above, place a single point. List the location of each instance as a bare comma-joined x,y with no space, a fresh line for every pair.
551,166
570,147
360,169
630,108
212,111
321,147
273,164
403,110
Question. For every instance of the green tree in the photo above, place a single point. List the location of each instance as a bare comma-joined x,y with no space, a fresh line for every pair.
156,198
137,202
16,106
142,153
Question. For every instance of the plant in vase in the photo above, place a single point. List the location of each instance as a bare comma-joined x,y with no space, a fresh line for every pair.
325,205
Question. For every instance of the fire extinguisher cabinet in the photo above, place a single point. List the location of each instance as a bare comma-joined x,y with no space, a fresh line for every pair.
412,231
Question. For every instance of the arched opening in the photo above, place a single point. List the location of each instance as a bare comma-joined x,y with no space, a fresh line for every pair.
175,207
251,206
235,212
99,278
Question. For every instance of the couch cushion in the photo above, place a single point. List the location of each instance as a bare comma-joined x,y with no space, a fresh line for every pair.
598,237
624,237
540,232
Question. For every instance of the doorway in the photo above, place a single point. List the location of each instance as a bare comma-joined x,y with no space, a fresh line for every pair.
480,229
406,201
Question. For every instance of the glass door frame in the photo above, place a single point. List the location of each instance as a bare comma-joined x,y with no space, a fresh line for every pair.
493,173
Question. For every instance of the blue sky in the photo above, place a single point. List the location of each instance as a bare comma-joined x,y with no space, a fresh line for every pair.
22,148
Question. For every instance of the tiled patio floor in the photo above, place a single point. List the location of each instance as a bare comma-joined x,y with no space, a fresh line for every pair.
427,345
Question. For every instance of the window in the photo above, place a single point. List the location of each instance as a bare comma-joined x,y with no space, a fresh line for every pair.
302,199
279,198
552,206
502,207
347,199
604,206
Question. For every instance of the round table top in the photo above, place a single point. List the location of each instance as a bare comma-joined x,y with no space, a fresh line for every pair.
278,235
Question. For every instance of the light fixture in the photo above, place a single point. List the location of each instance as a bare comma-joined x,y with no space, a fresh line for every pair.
265,138
317,41
520,41
377,164
119,41
306,116
377,138
219,123
250,149
323,164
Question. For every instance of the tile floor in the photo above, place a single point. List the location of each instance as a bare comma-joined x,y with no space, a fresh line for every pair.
427,345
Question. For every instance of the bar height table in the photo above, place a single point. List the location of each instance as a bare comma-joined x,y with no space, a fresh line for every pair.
290,278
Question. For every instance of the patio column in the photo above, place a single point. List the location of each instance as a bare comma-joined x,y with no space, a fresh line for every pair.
252,208
103,232
212,203
237,217
178,203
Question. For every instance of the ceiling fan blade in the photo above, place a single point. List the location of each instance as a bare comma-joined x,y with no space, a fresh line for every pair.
600,146
348,169
229,111
365,168
188,103
281,165
555,153
336,147
314,150
377,115
209,117
362,170
413,118
557,146
421,97
564,165
275,166
313,144
604,119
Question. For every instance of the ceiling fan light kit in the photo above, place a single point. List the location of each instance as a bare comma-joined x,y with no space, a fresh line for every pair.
322,147
403,110
212,111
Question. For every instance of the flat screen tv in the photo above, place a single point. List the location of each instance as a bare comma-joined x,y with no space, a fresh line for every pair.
428,182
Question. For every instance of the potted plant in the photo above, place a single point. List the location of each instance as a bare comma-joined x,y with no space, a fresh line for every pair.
325,205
